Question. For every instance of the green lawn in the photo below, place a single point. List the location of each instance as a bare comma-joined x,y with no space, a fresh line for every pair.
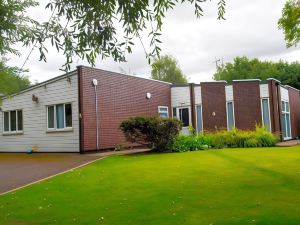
232,186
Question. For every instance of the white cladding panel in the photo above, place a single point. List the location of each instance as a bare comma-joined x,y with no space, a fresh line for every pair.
264,90
229,93
35,118
198,98
284,94
180,96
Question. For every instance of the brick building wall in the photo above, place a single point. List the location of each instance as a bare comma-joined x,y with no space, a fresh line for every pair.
119,97
247,104
213,106
294,100
275,111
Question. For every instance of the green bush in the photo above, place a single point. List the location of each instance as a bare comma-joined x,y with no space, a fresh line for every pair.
234,138
158,133
185,143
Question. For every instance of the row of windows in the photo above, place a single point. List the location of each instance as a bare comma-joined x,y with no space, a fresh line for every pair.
59,117
183,114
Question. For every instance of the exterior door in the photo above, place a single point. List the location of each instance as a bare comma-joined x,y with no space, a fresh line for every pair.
183,114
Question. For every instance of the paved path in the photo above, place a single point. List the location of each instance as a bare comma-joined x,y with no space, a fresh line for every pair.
18,169
288,143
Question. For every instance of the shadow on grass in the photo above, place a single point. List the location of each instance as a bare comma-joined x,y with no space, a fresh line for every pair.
252,166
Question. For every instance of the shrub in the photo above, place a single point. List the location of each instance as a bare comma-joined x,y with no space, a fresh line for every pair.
120,147
185,143
234,138
159,133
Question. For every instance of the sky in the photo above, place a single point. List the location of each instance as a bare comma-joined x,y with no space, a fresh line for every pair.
250,29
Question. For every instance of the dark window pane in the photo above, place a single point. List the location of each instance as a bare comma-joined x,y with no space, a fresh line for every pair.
68,112
184,116
282,106
174,112
20,120
60,116
287,107
50,116
6,121
13,121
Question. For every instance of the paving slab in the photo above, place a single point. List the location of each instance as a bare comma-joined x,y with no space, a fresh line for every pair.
288,143
20,169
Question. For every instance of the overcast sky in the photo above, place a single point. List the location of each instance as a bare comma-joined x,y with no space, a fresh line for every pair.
250,29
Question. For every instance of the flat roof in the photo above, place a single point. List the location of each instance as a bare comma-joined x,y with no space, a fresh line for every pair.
72,73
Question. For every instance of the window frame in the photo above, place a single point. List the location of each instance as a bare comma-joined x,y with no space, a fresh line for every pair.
286,113
262,116
17,131
189,114
55,129
201,131
163,107
233,115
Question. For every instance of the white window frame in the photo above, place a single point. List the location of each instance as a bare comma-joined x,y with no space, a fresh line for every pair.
232,113
17,131
197,118
289,113
262,117
163,107
55,122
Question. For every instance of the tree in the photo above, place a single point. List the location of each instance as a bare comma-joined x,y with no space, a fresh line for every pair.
167,69
11,79
88,29
244,68
290,22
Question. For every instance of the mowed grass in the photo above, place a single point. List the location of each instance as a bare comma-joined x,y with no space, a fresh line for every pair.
232,186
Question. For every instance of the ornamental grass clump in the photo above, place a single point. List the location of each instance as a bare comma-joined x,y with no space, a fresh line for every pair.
234,138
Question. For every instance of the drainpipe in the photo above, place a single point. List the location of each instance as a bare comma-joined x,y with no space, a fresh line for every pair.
95,83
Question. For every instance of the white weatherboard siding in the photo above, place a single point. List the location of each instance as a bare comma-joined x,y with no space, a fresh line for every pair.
229,93
180,96
284,94
198,98
35,118
264,90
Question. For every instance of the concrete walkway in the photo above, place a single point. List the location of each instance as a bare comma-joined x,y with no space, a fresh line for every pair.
288,143
19,169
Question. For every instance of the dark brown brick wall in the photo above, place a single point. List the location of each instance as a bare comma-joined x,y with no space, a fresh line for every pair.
274,96
213,101
119,97
247,106
294,100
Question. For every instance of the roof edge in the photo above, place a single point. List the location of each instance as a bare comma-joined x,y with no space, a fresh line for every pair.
54,79
94,68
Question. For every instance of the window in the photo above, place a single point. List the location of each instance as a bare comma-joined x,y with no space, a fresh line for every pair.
199,118
184,116
13,121
285,117
163,111
265,113
174,113
230,116
59,117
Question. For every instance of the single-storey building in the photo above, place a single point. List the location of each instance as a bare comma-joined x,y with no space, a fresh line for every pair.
81,111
